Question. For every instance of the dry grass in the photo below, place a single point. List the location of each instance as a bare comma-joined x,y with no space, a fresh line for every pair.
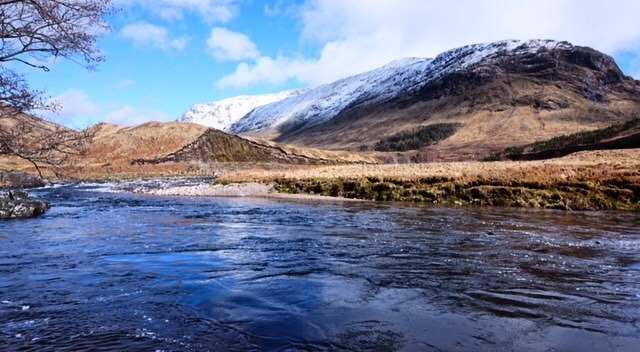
115,151
332,155
120,145
583,163
12,163
586,180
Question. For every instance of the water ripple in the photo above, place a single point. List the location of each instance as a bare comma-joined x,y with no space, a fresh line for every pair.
107,270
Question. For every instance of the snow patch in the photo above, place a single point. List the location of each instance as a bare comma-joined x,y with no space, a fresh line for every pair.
221,114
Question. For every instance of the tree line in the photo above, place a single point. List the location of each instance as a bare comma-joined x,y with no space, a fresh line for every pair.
565,141
417,138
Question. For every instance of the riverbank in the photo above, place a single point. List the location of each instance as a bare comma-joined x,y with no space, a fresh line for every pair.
600,180
595,180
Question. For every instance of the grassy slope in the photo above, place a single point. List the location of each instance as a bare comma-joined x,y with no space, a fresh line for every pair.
181,149
517,107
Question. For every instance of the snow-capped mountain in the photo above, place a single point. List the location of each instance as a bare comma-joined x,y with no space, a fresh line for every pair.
325,102
254,114
222,114
322,103
501,94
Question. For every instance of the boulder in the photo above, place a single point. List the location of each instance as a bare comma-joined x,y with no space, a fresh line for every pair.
19,180
17,204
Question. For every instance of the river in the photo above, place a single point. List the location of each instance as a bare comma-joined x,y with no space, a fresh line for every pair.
105,270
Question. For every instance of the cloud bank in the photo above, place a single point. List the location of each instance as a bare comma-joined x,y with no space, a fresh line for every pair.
353,37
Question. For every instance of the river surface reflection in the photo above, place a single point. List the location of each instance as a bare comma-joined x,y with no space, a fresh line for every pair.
115,271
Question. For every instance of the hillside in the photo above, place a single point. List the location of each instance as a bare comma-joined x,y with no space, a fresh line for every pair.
116,144
30,142
620,136
502,92
174,142
165,149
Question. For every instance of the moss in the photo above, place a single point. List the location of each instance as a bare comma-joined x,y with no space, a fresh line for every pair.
501,202
319,188
556,196
383,187
428,194
478,193
335,189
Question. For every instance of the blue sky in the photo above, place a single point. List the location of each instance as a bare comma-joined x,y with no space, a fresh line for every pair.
162,56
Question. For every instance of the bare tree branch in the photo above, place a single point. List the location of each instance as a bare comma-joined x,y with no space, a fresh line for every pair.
32,32
39,142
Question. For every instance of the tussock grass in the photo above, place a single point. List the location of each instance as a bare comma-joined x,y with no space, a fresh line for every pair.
586,181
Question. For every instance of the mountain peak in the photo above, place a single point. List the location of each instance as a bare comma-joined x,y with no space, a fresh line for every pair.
221,114
531,89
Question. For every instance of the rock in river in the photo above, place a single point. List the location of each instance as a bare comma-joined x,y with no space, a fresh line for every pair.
19,180
17,204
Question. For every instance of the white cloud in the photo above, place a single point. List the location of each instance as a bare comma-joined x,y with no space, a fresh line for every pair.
130,116
265,70
75,107
278,8
353,37
435,26
226,45
77,110
148,35
212,11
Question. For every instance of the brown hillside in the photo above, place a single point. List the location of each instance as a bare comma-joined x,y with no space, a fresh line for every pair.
175,142
26,139
115,144
510,99
166,149
173,148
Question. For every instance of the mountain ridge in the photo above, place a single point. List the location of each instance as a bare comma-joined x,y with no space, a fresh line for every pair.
524,90
355,86
164,149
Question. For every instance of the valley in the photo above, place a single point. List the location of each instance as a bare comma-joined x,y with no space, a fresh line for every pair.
228,175
457,129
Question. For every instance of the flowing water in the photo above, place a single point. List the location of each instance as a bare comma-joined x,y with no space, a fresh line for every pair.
107,271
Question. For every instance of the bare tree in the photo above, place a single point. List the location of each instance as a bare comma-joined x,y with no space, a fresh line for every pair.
33,33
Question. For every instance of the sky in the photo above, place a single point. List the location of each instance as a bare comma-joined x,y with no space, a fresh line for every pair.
163,56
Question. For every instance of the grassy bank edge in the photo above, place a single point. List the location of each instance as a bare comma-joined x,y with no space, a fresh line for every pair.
589,181
607,195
